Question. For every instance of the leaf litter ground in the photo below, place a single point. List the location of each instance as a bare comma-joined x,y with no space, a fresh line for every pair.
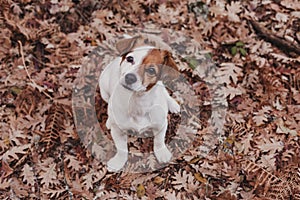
255,49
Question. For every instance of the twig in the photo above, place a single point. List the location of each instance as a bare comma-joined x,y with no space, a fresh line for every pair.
33,83
274,39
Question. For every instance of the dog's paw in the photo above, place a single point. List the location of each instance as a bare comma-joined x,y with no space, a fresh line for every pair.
174,107
116,163
163,155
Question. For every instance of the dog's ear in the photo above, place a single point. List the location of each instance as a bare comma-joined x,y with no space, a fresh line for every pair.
169,70
125,45
169,61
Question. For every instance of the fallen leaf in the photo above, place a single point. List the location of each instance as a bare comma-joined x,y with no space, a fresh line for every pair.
158,180
200,178
140,191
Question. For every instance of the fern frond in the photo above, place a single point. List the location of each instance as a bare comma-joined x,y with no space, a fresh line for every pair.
267,181
54,125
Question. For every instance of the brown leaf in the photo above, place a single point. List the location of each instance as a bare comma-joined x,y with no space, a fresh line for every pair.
14,152
48,173
233,10
18,188
158,180
200,178
27,101
5,183
140,191
28,175
73,162
5,169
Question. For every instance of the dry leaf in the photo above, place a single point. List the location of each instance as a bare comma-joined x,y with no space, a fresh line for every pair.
140,191
200,178
28,175
245,128
48,176
158,180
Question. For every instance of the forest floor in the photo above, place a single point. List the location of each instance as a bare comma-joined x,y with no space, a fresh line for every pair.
240,99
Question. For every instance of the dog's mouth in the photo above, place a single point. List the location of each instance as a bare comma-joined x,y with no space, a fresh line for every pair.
127,87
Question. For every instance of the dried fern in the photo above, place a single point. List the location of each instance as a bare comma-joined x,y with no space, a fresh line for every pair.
271,81
291,177
54,126
46,29
294,79
284,186
238,129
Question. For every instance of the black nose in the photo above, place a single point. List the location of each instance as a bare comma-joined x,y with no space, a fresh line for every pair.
130,79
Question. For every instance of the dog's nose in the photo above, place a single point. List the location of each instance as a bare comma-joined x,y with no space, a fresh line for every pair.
130,79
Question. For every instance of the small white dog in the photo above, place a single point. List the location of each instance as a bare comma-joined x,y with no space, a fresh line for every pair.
137,99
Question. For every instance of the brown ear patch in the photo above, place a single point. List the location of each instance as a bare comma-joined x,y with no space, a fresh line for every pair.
170,70
160,57
169,61
155,56
164,65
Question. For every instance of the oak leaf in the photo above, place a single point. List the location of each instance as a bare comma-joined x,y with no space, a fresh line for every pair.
5,183
233,10
28,175
73,162
88,181
5,169
261,117
268,162
48,176
272,146
230,91
228,72
54,193
12,153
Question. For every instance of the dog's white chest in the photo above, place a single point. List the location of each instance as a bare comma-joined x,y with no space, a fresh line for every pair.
139,112
129,111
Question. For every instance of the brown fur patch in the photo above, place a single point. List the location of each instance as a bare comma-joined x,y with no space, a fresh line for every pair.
161,61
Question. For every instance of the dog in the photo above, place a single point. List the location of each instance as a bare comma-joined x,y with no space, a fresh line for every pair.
137,98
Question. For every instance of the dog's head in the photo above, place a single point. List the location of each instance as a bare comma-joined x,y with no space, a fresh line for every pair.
143,66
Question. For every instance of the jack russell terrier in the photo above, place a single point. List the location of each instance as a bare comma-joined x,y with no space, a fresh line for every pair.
137,98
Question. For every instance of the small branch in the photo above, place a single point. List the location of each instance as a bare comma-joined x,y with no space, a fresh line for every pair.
274,39
33,83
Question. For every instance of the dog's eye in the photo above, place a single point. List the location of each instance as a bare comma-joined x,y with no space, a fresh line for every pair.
151,71
129,59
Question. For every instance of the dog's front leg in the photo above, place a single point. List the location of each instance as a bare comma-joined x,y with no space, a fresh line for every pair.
161,151
120,140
